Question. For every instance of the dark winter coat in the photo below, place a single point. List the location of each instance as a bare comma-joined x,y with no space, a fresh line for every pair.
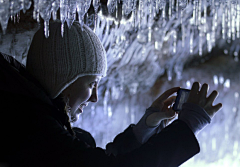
32,133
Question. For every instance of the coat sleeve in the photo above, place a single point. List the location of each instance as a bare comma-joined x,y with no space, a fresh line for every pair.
123,143
36,139
170,148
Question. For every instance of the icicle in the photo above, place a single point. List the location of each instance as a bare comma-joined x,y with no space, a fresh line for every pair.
82,8
181,16
38,16
125,8
116,11
170,8
229,24
26,5
105,102
140,13
205,17
150,15
62,29
177,8
200,43
213,37
194,13
96,4
18,17
35,10
199,12
81,13
71,13
134,14
149,34
215,80
111,5
221,79
11,9
23,6
46,28
63,14
164,9
133,88
238,21
188,84
183,35
4,15
174,34
223,24
46,15
227,83
55,7
235,54
233,13
12,17
191,41
169,73
156,45
182,4
173,1
209,43
34,14
109,109
143,51
178,68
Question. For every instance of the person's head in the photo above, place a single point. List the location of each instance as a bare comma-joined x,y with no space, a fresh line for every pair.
70,66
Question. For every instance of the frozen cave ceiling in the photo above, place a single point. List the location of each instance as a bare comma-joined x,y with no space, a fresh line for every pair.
144,44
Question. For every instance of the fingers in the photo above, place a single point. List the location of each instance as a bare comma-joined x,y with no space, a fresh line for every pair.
159,102
212,97
170,114
217,107
204,90
195,88
170,100
167,93
173,117
210,101
214,109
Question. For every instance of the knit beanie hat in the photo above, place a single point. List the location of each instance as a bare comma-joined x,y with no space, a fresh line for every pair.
58,61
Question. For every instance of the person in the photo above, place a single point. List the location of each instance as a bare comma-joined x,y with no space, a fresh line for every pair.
61,77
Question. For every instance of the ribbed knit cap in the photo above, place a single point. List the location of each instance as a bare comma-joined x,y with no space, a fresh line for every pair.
58,61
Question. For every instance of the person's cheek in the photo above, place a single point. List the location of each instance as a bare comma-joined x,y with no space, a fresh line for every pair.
87,94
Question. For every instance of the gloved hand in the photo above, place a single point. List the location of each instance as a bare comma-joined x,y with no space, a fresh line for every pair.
163,105
198,111
156,116
200,98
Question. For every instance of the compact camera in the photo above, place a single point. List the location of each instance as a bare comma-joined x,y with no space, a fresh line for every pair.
182,96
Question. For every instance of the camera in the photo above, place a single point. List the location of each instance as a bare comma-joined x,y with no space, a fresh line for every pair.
182,96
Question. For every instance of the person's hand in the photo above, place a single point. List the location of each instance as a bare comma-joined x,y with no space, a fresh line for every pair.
162,104
200,98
